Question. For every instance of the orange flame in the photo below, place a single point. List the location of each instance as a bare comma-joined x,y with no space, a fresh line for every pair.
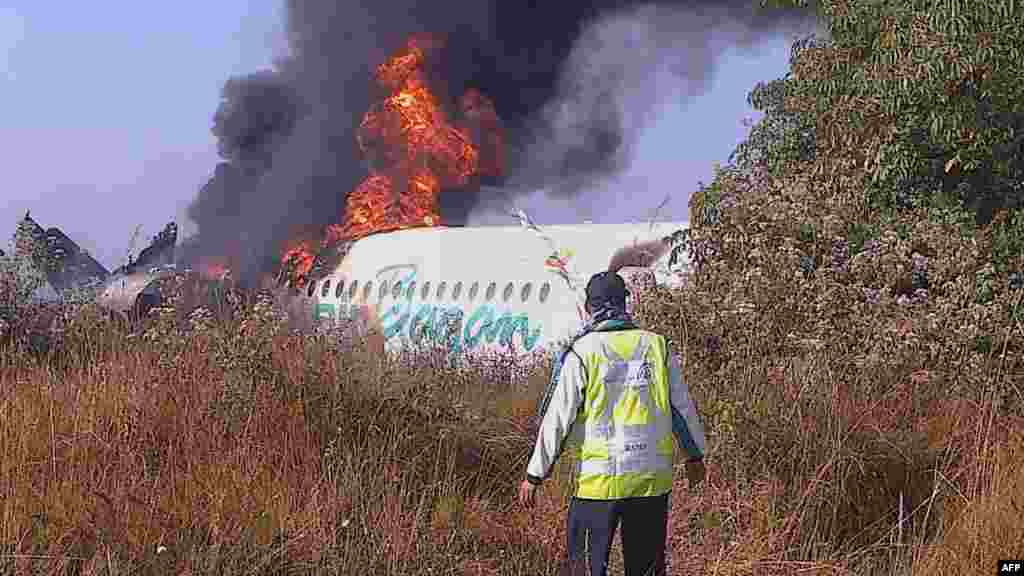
413,149
300,256
480,110
413,152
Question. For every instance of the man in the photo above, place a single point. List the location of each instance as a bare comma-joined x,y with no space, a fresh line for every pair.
617,395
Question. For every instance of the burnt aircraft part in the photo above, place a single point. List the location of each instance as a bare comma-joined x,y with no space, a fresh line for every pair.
75,264
161,251
133,295
134,289
130,291
327,259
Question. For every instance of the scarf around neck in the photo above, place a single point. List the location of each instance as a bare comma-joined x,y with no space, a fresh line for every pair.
606,314
604,318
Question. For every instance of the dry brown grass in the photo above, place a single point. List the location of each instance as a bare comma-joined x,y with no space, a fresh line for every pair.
200,456
243,449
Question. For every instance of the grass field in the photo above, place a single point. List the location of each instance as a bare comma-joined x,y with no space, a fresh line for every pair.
235,447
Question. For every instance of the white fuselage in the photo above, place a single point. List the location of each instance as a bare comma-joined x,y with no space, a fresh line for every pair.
482,287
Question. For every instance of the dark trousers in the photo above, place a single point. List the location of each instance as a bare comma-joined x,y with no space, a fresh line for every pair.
592,525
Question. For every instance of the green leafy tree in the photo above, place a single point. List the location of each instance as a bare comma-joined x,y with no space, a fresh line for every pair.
19,276
784,137
915,102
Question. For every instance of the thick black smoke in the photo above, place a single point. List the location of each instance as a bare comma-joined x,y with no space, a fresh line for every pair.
553,70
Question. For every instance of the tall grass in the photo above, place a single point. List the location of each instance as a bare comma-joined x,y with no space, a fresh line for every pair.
888,442
239,448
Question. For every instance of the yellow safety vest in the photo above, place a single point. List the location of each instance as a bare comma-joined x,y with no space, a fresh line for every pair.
627,446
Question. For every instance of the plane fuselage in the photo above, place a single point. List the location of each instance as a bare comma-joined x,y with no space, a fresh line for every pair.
480,288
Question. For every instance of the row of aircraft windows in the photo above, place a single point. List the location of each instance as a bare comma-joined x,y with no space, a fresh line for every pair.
397,290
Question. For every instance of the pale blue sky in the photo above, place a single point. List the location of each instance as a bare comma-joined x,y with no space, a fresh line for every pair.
106,108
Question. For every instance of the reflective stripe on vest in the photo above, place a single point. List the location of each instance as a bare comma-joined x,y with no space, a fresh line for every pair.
628,447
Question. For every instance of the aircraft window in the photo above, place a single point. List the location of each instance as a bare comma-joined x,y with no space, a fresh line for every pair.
340,288
544,291
457,291
525,293
352,288
311,289
440,289
474,290
411,291
383,290
426,290
491,289
509,289
326,288
396,290
367,288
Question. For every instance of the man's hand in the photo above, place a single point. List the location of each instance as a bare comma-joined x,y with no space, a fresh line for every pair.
695,472
527,491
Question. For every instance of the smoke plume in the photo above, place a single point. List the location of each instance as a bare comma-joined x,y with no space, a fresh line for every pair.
570,82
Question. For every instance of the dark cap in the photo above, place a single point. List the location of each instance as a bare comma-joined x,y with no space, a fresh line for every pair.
608,288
